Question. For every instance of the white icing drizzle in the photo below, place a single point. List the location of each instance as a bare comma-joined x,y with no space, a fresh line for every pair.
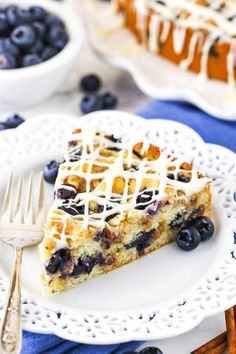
192,48
126,166
154,28
165,31
203,75
141,10
214,20
179,38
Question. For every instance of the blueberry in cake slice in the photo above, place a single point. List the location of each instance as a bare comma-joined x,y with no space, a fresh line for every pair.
115,202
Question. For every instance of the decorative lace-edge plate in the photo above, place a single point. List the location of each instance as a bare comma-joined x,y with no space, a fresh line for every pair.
154,75
165,293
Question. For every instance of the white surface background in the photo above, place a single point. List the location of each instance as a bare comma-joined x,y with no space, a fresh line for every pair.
131,99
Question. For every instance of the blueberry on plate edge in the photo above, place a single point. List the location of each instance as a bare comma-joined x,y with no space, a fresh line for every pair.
50,172
3,126
205,227
188,239
14,121
151,350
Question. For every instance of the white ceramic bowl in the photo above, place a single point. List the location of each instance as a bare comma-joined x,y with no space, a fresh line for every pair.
28,86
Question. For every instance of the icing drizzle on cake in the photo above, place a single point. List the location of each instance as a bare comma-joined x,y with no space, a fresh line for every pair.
114,177
212,21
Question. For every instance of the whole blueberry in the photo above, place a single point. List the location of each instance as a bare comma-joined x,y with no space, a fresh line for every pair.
17,16
23,36
50,172
3,126
57,37
151,350
12,15
110,101
53,21
6,46
59,261
9,7
171,176
37,13
7,61
90,83
91,103
145,197
14,121
188,239
66,192
40,29
23,16
48,53
30,60
3,23
72,208
36,48
183,178
142,241
205,227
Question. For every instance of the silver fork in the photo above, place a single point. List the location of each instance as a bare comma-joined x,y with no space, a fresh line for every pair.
20,227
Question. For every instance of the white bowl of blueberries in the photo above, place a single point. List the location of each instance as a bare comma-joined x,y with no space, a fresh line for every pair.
39,46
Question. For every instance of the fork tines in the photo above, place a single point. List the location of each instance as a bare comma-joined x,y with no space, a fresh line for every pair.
13,208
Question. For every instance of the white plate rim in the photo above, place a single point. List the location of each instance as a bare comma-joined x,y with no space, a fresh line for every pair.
29,303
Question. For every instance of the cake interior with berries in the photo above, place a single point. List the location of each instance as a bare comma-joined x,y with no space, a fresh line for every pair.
115,201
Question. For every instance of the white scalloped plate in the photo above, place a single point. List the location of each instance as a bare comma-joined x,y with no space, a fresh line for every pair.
164,294
154,75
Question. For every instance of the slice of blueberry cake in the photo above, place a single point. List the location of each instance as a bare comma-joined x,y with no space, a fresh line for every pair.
115,202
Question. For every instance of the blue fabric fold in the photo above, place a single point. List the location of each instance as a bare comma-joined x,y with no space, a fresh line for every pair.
34,343
212,131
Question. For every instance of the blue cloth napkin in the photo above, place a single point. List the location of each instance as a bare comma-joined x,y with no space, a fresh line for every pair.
212,131
50,344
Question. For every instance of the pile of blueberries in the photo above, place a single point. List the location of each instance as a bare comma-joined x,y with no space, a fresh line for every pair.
29,36
147,350
93,101
199,230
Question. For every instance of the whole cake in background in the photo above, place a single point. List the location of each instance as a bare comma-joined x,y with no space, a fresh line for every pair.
116,201
198,35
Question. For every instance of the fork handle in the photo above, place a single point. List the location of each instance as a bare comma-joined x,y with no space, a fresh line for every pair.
11,333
